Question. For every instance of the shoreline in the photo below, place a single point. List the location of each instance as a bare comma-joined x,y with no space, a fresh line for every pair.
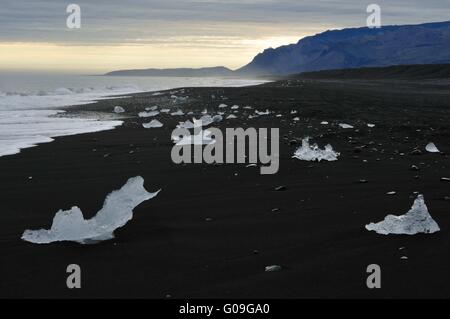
214,228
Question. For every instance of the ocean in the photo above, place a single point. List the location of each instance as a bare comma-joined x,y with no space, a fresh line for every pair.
30,103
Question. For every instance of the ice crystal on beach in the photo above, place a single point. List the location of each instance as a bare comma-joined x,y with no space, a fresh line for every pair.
117,210
309,152
152,108
202,138
148,114
119,109
431,148
177,113
267,112
416,220
153,124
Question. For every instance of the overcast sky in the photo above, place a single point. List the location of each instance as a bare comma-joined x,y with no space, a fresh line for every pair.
119,34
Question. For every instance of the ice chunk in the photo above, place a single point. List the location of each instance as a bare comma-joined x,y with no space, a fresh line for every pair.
235,107
431,148
152,108
217,118
267,112
416,220
324,123
345,126
296,119
313,153
370,125
231,116
177,113
202,138
117,210
119,109
148,114
165,110
187,124
153,124
221,106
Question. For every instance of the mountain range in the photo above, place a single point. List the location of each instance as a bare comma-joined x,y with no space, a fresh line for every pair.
427,43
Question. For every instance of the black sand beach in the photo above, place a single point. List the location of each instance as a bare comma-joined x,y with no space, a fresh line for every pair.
213,228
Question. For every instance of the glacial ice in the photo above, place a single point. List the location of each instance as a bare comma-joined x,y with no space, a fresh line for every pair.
267,112
313,153
152,124
431,148
117,210
119,109
177,113
416,220
148,114
202,138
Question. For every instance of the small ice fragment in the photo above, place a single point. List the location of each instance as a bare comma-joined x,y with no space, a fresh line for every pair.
345,126
221,106
152,108
119,109
231,116
391,193
202,138
248,107
324,123
117,210
177,113
217,118
431,148
313,153
279,115
294,112
165,110
272,268
296,119
235,107
187,124
153,124
267,112
206,120
416,220
370,125
148,114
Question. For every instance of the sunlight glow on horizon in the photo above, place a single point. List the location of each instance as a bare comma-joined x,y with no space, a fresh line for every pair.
195,52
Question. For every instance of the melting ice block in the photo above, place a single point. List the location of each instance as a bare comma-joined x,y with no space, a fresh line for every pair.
117,210
152,124
431,148
119,109
416,220
148,114
202,138
313,153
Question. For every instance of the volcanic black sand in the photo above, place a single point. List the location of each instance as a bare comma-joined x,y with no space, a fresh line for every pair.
214,228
